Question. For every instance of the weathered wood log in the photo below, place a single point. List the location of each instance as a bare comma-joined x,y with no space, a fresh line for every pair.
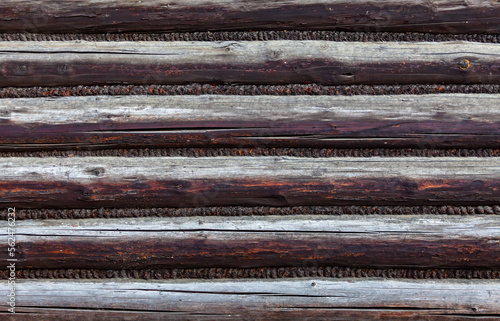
252,242
441,16
427,121
254,62
83,182
298,299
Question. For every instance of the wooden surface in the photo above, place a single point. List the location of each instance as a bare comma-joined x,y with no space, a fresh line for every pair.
439,16
55,63
414,241
465,245
89,182
313,299
405,121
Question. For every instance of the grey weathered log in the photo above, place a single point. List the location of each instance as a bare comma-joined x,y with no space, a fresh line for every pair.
311,298
83,182
424,121
375,226
255,62
274,241
440,16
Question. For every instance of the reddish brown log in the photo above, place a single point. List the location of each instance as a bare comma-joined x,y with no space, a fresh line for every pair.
204,249
271,181
298,135
251,192
312,314
427,121
297,241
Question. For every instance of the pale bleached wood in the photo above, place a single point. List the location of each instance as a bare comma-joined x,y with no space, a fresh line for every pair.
431,227
113,169
271,299
454,108
247,52
71,169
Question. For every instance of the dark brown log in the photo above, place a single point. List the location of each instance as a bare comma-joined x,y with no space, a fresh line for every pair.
424,121
89,182
251,192
298,299
452,16
353,241
255,62
336,314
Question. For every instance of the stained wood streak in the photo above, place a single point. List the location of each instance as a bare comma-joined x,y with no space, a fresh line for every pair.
316,299
352,241
255,62
89,182
451,16
406,121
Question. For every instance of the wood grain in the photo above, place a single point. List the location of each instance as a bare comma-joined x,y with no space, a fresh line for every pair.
406,121
439,16
249,242
253,62
89,182
305,298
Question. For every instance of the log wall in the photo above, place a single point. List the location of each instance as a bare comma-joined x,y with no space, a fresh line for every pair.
253,236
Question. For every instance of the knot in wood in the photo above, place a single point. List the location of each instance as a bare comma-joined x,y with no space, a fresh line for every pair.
464,64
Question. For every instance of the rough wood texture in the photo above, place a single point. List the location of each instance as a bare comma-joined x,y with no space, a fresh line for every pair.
438,16
426,121
248,242
89,182
313,299
255,62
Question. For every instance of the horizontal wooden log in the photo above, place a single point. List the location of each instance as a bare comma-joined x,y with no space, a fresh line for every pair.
298,299
441,16
254,62
89,182
252,242
423,121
